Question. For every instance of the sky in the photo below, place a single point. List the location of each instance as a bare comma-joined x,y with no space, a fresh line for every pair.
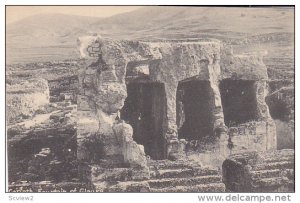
16,13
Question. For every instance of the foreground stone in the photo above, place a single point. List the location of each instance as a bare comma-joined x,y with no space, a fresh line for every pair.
272,171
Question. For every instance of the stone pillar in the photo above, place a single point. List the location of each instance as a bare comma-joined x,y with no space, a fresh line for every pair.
261,93
171,89
264,114
175,147
220,130
214,72
102,95
223,141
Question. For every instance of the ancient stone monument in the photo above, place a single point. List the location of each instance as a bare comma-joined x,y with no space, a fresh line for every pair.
145,101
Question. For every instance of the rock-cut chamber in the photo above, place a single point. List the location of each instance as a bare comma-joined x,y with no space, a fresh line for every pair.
144,109
238,101
194,110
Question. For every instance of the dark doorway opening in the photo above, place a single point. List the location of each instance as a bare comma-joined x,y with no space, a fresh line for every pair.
278,108
194,110
238,101
144,109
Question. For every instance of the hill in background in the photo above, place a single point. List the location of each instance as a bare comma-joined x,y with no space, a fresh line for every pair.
53,36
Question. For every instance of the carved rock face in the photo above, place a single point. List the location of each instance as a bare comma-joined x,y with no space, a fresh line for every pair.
110,98
133,153
103,83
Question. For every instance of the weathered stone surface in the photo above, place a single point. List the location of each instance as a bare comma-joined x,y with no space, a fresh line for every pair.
110,97
183,176
25,97
254,136
170,63
246,66
133,153
119,179
213,187
113,64
271,171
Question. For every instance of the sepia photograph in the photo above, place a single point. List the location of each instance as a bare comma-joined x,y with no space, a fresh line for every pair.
150,99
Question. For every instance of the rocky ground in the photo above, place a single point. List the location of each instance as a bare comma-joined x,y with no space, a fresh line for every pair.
44,147
41,135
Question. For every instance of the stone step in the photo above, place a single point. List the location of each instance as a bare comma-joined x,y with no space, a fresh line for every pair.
167,182
279,159
130,186
172,173
272,173
183,172
274,165
168,165
127,186
199,171
212,187
279,153
265,173
271,182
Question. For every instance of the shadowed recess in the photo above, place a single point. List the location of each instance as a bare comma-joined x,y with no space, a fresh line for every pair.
144,110
238,101
194,110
